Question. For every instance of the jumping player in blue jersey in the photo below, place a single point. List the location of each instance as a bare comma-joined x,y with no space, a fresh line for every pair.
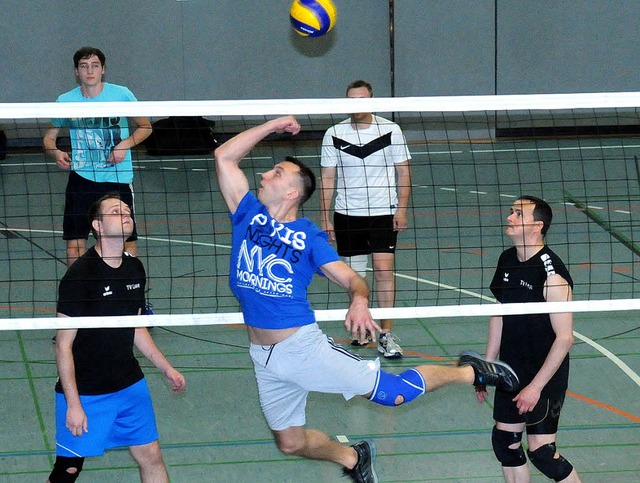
274,256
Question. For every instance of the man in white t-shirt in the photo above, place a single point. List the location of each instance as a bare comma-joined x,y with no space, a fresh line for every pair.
361,157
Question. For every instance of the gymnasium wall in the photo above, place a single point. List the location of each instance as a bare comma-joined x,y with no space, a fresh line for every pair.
244,49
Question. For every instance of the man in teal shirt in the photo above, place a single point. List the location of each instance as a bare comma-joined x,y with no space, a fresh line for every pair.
100,160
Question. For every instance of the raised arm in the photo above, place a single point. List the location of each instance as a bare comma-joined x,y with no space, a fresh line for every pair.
233,183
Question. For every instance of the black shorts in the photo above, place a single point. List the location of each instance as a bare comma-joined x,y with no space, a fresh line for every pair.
80,195
362,235
542,420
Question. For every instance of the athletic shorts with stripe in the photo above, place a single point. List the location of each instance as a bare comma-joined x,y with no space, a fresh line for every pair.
306,361
121,418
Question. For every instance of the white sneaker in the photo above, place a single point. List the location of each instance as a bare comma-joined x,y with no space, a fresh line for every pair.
389,346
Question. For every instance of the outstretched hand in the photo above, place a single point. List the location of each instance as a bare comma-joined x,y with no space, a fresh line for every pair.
359,321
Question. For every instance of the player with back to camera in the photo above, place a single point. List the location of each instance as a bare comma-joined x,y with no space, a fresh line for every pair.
535,345
274,257
360,159
102,397
100,160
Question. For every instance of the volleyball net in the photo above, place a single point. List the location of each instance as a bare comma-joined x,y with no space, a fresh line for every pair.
471,157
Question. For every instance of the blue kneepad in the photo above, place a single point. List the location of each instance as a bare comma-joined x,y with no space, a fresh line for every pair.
410,384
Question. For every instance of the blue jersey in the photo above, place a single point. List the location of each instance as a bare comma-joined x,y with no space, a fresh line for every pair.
272,265
92,139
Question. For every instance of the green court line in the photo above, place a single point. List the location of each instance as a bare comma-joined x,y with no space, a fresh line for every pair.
605,225
34,395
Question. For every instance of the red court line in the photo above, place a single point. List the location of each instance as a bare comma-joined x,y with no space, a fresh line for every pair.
25,309
617,411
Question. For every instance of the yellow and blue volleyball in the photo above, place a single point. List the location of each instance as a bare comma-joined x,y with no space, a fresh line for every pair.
312,18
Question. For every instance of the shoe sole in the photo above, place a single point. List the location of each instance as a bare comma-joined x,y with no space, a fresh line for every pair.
504,365
389,355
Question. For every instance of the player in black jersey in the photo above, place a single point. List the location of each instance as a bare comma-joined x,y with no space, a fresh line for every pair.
536,346
102,398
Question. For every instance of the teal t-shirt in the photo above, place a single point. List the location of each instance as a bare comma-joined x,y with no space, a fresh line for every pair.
92,139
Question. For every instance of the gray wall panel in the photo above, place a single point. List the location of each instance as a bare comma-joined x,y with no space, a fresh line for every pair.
551,46
228,49
444,47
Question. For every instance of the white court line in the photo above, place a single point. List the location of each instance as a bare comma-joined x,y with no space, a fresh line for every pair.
184,242
612,357
431,153
571,148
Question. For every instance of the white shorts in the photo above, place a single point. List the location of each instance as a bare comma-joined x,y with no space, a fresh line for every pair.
307,361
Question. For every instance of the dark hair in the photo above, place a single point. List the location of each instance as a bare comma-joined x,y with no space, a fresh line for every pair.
94,209
307,177
541,211
86,52
360,83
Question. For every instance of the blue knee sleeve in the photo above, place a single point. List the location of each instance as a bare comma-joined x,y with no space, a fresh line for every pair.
410,384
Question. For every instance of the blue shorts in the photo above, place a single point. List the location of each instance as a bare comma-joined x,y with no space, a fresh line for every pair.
306,361
122,418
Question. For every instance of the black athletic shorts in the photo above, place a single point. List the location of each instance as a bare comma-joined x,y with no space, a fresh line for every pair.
80,195
362,235
542,420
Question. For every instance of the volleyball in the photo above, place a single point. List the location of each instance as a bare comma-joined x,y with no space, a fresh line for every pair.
312,18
